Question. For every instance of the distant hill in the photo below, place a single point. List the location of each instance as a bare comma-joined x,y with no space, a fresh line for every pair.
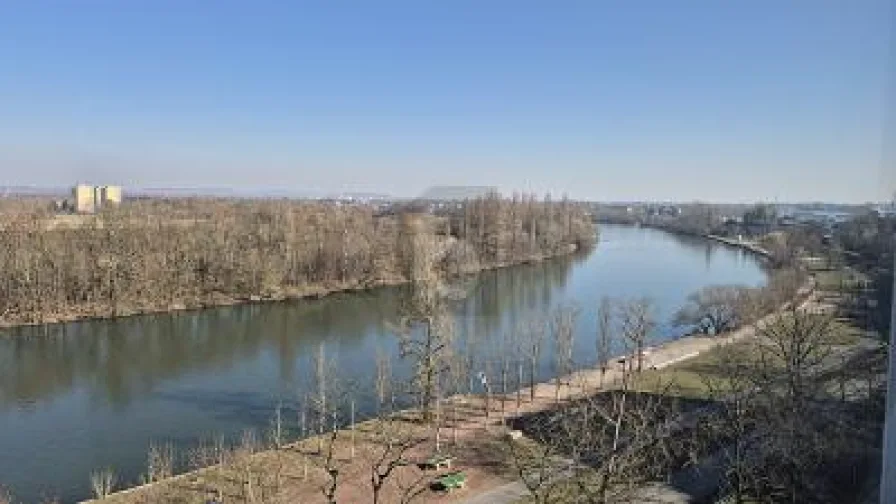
7,191
448,193
220,192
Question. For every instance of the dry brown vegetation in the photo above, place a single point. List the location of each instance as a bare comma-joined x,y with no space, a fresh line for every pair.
158,255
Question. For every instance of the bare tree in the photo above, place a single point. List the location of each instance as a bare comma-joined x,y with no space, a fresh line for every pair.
601,448
791,347
485,380
504,354
782,288
340,413
534,334
458,374
426,327
321,378
330,465
275,433
519,379
563,332
637,322
604,336
624,444
160,462
539,466
778,425
276,439
714,309
208,453
333,397
393,439
734,421
351,420
243,463
102,483
302,410
5,496
384,389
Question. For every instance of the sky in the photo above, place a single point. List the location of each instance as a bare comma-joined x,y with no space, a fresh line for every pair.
683,100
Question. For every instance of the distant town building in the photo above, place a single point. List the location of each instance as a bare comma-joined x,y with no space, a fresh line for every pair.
109,195
457,193
84,197
664,210
89,199
886,210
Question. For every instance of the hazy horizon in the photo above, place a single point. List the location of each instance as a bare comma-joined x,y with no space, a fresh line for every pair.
614,101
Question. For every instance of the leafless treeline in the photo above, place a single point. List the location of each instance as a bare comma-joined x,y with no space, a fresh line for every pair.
157,255
788,416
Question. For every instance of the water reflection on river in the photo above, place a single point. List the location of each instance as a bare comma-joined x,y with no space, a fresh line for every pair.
79,396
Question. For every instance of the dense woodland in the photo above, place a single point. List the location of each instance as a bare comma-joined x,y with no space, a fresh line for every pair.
167,254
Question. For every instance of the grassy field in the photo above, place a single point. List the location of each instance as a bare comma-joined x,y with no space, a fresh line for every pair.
691,378
835,280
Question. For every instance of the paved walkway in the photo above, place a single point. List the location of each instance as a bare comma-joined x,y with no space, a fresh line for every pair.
506,494
511,493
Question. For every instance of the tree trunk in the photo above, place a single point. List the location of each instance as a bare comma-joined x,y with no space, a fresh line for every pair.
532,365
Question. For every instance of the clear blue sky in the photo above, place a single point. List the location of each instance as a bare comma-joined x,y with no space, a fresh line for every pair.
644,99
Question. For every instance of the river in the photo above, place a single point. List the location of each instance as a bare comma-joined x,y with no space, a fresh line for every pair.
80,396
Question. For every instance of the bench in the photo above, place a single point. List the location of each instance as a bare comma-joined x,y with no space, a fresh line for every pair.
450,481
437,462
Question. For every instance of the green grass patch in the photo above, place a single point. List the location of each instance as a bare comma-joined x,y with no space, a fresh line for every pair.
690,378
845,332
834,280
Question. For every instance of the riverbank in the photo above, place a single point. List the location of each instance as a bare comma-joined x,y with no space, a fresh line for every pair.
153,256
473,433
746,245
102,312
742,244
188,305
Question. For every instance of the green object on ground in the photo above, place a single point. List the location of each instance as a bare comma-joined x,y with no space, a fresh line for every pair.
451,481
439,460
